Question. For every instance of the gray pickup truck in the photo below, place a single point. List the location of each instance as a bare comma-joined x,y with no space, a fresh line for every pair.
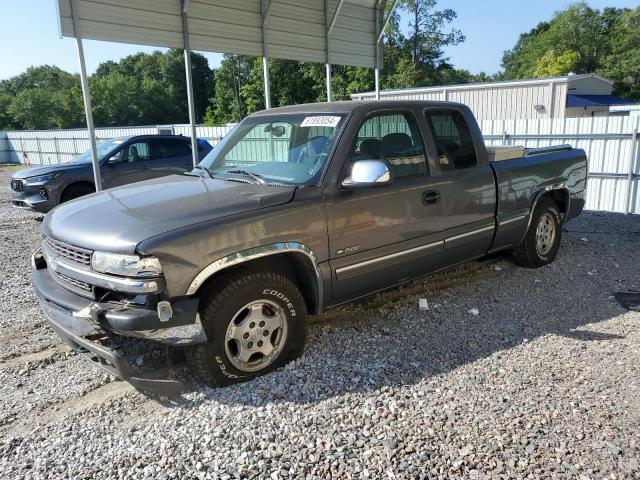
296,210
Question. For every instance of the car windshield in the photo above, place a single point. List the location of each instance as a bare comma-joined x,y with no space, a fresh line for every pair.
103,148
285,148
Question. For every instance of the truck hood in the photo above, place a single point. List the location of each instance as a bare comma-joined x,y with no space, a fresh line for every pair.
116,220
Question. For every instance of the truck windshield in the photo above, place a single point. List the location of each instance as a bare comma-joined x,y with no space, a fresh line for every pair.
285,148
102,149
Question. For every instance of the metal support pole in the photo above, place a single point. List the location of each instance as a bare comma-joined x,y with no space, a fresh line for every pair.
87,98
189,80
635,139
328,82
265,4
378,22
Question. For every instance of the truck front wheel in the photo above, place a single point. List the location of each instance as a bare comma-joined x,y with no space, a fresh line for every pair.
542,240
255,322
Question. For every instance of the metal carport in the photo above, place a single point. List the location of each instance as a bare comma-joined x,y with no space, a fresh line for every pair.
343,32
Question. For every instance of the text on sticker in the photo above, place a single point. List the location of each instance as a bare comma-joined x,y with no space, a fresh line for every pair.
320,121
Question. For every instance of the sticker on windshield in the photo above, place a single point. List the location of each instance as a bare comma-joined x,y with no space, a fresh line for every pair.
321,121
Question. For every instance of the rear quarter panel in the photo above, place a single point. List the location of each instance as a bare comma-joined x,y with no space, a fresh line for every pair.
522,181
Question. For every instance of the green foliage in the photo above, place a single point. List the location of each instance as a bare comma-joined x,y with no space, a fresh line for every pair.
581,39
150,88
139,89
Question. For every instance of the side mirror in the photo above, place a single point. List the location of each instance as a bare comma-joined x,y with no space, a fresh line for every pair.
368,173
114,160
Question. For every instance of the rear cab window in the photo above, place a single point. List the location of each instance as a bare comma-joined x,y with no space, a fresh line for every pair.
453,140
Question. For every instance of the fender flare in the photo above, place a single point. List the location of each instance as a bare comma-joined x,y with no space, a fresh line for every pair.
539,195
259,252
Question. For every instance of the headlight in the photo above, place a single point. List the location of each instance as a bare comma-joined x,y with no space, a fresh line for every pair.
43,178
127,265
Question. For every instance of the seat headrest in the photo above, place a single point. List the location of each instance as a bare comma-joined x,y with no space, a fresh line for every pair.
371,146
395,142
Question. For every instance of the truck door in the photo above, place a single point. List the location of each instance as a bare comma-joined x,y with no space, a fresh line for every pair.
466,185
380,236
133,163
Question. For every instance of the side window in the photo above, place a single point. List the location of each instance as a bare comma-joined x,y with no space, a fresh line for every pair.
167,148
393,137
454,143
136,152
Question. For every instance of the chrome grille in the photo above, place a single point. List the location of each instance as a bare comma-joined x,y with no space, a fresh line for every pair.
17,185
75,254
76,283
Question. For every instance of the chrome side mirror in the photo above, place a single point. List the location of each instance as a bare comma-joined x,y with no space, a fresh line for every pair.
114,160
368,173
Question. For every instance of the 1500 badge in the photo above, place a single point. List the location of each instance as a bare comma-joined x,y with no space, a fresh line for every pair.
352,249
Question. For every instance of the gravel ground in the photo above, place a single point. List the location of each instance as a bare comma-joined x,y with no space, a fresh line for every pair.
542,382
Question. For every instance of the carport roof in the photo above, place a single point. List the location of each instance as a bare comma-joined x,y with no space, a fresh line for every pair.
296,29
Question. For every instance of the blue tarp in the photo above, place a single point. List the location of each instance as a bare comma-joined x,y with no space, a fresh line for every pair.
595,100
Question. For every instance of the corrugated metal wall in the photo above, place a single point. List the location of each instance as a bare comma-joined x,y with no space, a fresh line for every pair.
612,145
503,101
47,147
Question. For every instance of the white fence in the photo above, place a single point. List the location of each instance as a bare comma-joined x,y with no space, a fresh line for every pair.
48,147
612,145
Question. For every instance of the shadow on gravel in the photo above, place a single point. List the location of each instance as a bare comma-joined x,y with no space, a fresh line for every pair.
387,342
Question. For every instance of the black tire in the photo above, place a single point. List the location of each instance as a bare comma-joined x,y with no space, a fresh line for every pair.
76,190
532,253
222,300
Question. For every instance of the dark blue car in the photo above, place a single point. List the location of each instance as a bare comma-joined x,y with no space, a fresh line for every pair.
123,160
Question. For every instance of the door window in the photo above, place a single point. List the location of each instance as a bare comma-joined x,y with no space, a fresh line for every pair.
169,148
393,137
453,139
136,152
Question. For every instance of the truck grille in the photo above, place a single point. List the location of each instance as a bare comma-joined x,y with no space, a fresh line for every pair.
76,283
75,254
17,186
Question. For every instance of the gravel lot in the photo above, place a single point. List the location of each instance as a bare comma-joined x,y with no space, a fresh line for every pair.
542,382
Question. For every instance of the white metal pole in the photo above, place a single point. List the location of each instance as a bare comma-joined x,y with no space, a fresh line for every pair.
328,82
635,140
265,4
378,50
189,79
87,99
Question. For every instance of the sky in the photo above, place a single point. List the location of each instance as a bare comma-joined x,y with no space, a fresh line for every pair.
29,34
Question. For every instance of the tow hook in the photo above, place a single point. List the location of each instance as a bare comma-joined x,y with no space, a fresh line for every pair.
165,311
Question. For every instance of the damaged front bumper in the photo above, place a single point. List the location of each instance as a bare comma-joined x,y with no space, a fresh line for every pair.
79,321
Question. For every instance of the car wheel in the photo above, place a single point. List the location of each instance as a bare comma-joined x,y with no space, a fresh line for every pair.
542,240
255,322
76,190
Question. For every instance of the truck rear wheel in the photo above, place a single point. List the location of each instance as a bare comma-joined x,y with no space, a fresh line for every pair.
255,322
542,240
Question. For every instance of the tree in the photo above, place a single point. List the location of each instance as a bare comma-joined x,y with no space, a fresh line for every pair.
427,32
581,39
623,62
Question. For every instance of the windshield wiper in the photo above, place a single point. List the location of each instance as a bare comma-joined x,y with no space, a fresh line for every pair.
259,179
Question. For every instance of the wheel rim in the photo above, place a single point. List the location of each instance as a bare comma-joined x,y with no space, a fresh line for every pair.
256,335
545,234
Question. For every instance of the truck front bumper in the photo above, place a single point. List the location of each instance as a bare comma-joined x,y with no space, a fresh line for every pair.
80,321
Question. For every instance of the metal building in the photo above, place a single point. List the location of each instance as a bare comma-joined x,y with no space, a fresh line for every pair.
585,95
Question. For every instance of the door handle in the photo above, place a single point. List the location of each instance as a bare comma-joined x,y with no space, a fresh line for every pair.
430,196
145,168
